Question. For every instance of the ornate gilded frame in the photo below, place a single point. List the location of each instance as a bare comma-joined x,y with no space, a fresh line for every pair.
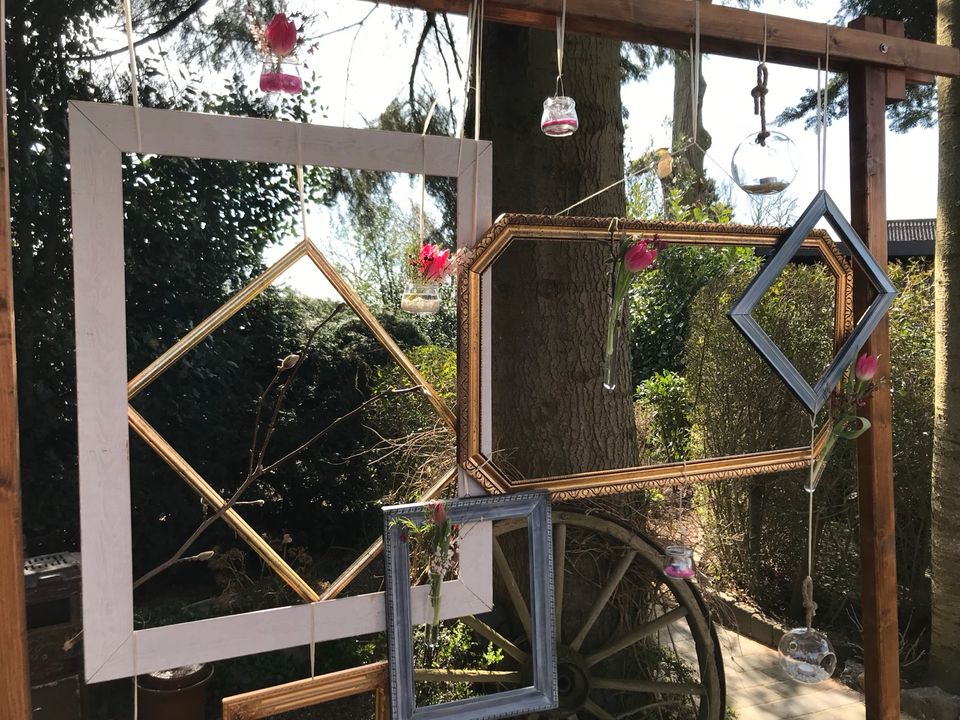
308,693
99,134
473,299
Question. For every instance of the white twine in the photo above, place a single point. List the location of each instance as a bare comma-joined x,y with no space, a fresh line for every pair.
695,70
300,185
561,34
134,86
821,111
423,173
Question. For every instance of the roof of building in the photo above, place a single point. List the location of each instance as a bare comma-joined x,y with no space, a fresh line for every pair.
911,230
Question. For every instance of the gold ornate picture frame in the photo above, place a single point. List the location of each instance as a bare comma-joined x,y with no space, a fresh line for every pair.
300,694
475,453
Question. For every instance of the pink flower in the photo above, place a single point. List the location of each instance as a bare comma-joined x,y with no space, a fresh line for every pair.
281,35
639,257
432,261
866,367
439,513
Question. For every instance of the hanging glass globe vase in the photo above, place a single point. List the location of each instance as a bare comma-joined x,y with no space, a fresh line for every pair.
765,165
807,656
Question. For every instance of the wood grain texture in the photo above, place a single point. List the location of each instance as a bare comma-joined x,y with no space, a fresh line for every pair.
727,31
14,679
878,562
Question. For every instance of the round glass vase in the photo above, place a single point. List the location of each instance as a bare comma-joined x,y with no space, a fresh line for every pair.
807,656
679,562
280,76
765,166
421,297
559,116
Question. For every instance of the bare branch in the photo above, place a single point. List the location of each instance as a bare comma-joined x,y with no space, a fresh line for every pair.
427,26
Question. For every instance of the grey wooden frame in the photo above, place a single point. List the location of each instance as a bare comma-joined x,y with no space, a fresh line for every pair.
813,397
542,694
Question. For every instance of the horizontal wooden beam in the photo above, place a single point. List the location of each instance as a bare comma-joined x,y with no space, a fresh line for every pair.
726,31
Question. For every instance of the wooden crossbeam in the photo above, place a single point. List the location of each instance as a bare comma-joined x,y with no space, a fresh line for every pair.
723,30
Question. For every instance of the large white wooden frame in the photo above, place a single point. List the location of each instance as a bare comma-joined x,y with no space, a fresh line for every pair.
99,135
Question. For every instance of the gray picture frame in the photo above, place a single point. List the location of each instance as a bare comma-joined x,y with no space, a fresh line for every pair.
541,695
814,397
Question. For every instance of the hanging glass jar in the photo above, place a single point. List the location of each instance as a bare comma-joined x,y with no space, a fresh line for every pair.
280,76
807,656
679,562
765,165
421,297
559,116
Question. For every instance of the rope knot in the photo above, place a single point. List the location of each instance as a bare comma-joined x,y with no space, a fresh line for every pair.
808,603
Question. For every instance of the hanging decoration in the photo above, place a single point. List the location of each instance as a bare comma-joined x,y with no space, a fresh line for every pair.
277,41
436,539
845,403
560,111
765,163
630,257
678,559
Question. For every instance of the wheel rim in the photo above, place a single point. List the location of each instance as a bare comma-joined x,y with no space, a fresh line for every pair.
594,657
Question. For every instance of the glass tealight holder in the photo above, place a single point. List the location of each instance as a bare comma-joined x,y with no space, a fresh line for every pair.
559,116
421,297
277,76
679,562
807,656
765,167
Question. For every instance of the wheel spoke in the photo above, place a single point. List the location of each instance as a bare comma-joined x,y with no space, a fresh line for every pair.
513,589
481,628
605,594
559,563
597,711
648,686
636,636
508,677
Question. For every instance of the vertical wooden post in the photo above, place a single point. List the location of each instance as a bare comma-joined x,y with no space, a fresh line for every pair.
878,562
14,683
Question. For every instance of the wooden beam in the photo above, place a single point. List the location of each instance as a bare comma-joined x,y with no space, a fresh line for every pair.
878,561
724,30
14,676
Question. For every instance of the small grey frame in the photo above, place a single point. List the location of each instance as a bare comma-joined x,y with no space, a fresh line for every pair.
813,398
542,694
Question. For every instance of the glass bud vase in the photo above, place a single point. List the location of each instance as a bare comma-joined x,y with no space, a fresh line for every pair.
559,116
421,297
807,656
679,562
432,634
277,76
820,464
610,348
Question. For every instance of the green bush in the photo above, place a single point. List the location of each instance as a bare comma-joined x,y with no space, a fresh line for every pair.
664,395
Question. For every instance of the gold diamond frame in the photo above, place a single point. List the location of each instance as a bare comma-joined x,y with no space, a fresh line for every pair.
99,134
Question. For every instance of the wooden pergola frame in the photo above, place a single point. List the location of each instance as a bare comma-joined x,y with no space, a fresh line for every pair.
879,61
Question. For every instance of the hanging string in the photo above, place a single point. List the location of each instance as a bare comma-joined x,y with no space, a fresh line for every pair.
823,101
809,606
759,92
300,184
682,497
561,34
695,72
423,173
134,86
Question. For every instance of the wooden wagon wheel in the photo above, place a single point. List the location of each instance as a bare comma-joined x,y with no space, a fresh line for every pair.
631,642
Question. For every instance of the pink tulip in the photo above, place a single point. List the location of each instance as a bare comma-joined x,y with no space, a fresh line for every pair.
639,257
281,35
439,513
866,367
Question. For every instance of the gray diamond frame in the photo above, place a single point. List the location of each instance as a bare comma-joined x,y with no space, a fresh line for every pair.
539,697
813,398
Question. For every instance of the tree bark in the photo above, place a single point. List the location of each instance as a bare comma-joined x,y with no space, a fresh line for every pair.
945,493
550,300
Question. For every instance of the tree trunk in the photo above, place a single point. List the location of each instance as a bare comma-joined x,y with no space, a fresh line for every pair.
550,300
945,494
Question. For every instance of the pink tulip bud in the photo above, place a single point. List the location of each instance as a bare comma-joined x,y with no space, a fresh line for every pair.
639,257
866,367
281,35
439,513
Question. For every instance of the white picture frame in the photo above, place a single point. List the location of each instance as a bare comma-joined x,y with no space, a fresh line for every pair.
99,134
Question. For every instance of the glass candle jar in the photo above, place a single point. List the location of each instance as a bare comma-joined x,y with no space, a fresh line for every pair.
559,116
277,76
421,297
807,656
679,562
767,167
